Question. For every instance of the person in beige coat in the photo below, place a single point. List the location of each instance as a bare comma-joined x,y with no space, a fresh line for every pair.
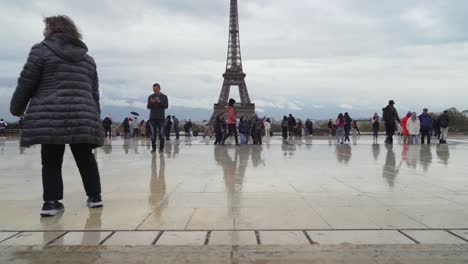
414,126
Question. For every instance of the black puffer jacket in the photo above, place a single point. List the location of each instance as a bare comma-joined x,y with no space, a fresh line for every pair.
60,83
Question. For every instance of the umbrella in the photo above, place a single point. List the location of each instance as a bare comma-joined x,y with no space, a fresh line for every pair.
135,113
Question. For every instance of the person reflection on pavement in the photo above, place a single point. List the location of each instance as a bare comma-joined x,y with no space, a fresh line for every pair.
126,145
443,153
390,170
157,185
413,156
343,153
107,147
376,151
425,156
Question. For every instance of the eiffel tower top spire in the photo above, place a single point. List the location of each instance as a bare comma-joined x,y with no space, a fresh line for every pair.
234,59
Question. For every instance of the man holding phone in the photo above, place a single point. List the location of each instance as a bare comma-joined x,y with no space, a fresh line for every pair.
157,103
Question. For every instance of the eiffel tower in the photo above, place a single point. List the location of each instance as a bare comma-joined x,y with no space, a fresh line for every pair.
234,75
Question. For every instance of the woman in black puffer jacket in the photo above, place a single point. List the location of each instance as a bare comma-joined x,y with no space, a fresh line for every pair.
58,95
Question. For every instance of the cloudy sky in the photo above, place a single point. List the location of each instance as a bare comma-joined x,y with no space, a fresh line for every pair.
310,57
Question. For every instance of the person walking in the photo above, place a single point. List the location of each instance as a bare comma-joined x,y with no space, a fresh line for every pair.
390,117
168,126
355,127
426,126
291,125
347,127
443,121
284,127
414,127
243,132
142,129
58,94
175,122
404,127
218,129
267,125
157,103
126,127
340,125
375,127
135,127
231,121
330,126
3,126
107,124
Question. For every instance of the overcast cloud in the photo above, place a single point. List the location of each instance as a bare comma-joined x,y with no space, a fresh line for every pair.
302,56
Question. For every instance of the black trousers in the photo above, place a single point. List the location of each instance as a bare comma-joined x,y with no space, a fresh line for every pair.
390,131
232,129
426,132
285,132
108,132
52,158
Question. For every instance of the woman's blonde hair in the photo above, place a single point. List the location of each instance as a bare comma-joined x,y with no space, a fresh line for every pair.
62,24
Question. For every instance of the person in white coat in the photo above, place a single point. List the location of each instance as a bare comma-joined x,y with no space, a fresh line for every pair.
414,126
267,127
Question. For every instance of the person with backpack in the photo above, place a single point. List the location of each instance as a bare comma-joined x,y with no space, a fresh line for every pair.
3,126
426,126
231,121
126,127
375,127
390,117
267,125
414,127
107,124
404,127
340,126
291,125
284,127
347,127
168,126
218,129
443,121
243,132
175,121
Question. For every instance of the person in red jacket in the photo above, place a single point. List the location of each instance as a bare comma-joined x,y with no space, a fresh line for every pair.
231,121
404,121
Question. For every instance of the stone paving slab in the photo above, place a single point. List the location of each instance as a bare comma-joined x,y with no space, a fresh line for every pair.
81,238
233,238
349,254
182,238
461,233
32,238
132,238
433,237
367,237
283,238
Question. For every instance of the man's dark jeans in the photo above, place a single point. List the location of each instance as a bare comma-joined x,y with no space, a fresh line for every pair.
157,124
52,158
426,132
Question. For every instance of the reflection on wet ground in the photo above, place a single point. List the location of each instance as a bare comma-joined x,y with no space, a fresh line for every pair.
308,183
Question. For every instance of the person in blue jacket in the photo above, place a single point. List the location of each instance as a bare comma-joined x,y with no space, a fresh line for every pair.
426,126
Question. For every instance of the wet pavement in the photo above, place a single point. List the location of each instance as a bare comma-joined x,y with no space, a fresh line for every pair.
304,192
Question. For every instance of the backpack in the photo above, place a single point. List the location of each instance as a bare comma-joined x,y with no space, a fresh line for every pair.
385,113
